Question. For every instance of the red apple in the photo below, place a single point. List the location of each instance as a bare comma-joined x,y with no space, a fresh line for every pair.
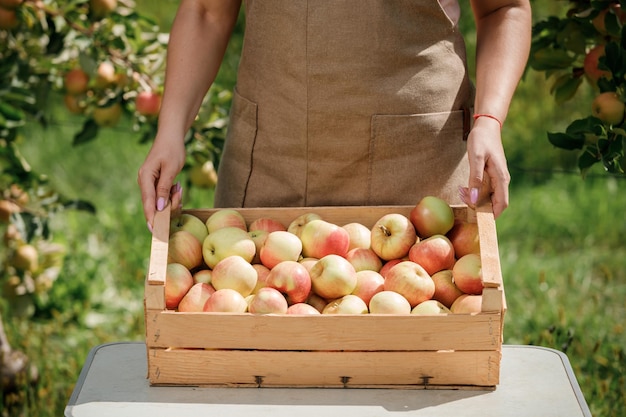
320,238
465,239
226,300
148,103
389,302
467,304
76,81
609,108
280,246
430,307
392,236
190,223
268,224
74,104
268,300
590,65
434,254
410,280
225,218
299,222
184,248
364,259
262,273
390,264
360,235
333,277
196,298
302,308
432,216
178,281
292,279
467,274
368,283
348,304
225,242
236,273
446,290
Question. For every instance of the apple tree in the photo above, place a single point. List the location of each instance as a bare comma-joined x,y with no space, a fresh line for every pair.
587,45
101,61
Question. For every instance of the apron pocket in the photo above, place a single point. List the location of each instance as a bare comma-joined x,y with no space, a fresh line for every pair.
236,161
415,155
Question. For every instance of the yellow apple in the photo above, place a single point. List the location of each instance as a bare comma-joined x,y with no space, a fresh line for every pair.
609,108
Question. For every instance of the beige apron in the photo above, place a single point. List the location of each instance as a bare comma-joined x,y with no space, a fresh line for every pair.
346,103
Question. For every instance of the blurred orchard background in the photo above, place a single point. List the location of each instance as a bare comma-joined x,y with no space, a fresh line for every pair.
80,83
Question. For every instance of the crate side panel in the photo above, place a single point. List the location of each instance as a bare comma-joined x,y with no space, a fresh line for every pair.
323,332
327,369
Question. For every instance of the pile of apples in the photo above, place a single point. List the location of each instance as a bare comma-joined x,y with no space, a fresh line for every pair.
425,263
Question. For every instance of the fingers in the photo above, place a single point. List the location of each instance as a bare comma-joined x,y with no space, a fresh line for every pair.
157,191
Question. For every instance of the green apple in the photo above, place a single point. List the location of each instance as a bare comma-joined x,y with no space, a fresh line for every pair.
190,223
225,242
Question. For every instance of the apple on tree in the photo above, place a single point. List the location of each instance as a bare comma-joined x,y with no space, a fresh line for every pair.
148,103
609,108
107,116
76,81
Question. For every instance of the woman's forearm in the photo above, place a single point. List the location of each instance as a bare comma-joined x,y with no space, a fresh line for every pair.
198,40
502,48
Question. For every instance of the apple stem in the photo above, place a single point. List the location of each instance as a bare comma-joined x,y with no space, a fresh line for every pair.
385,230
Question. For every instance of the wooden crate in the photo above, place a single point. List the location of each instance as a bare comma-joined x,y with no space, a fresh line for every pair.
421,352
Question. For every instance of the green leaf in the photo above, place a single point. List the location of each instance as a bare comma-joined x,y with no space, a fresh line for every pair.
586,160
87,134
565,87
565,141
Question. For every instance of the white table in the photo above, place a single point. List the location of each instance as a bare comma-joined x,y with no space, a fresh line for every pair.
534,381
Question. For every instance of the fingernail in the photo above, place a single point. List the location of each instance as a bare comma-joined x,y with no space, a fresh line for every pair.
180,191
177,187
149,226
474,195
160,204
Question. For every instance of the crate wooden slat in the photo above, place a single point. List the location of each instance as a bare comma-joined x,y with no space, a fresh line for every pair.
455,350
409,369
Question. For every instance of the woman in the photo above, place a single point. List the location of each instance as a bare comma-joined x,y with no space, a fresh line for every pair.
344,102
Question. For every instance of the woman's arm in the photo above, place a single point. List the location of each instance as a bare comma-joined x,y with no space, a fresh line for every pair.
502,48
198,39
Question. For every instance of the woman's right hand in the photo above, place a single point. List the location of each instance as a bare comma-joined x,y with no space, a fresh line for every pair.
157,174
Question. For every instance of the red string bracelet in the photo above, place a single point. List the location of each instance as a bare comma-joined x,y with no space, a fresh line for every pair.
491,116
